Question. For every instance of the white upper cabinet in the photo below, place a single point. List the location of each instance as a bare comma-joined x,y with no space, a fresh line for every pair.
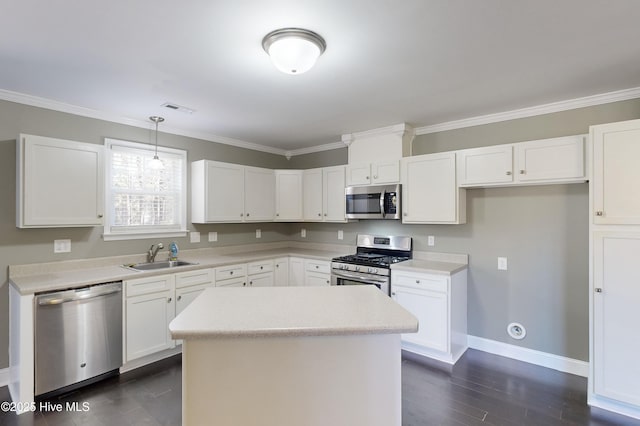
60,183
487,165
312,191
429,190
224,192
289,195
539,162
380,172
616,174
333,198
556,160
217,192
259,194
324,199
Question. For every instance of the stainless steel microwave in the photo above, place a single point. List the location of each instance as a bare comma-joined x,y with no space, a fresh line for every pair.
373,202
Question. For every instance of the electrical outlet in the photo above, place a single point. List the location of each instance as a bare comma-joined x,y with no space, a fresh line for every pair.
303,233
258,233
61,246
194,236
340,235
502,263
213,237
431,241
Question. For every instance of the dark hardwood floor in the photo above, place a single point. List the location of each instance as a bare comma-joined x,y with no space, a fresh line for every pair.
481,389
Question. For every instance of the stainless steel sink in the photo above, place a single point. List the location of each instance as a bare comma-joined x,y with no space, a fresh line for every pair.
158,265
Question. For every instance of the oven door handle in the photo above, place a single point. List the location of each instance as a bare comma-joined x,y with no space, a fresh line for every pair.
383,194
358,277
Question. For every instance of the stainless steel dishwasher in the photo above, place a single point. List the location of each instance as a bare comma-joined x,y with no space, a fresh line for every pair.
78,336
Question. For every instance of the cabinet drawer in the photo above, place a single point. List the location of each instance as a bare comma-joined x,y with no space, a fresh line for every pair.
418,281
260,267
317,266
232,282
232,271
186,279
148,285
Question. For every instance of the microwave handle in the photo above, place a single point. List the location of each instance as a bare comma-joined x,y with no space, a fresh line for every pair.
382,197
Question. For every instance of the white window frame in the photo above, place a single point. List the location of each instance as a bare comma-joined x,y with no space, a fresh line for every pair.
131,234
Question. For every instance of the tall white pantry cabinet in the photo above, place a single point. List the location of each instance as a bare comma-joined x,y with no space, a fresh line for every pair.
614,376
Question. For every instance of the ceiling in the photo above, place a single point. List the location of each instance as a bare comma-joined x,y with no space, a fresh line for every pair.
422,62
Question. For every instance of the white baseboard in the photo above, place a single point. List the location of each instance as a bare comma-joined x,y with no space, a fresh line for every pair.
544,359
4,377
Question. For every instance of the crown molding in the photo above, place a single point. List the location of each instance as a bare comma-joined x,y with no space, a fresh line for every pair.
587,101
396,129
39,102
317,148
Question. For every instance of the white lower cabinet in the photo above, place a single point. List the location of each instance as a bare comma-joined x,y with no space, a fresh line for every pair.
440,304
296,271
317,273
150,305
260,274
149,308
231,275
281,272
615,372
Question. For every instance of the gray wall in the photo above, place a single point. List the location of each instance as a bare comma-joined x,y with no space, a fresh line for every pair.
542,230
19,246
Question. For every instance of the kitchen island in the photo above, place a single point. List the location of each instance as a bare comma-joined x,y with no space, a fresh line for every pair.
292,356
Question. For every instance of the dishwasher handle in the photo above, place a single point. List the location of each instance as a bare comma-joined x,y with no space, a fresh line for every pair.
74,295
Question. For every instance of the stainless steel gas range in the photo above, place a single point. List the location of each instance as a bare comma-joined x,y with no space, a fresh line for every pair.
371,263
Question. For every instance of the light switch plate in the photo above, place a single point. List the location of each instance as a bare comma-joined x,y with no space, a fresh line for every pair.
431,241
258,233
340,235
194,237
61,246
303,233
213,237
502,263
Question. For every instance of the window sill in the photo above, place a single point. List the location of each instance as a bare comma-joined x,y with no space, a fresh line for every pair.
141,236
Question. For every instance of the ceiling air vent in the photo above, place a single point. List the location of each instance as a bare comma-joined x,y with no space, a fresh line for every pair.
177,107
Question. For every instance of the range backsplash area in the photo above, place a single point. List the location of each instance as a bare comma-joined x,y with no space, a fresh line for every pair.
542,230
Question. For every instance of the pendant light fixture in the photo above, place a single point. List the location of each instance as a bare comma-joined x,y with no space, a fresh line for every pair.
293,50
156,163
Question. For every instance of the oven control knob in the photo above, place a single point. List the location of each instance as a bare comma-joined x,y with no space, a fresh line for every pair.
372,270
357,269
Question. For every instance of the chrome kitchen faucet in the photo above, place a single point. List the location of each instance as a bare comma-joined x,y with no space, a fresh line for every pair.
153,251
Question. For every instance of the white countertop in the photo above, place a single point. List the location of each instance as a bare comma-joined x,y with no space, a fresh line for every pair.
291,311
51,276
429,266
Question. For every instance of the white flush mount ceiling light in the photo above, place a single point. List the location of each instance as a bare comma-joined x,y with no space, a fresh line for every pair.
156,163
293,50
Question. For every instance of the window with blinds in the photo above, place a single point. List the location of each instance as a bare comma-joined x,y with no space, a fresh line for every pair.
143,201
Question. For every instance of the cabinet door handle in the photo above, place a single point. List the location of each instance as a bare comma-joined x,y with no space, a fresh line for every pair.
250,282
262,267
406,214
319,214
277,265
508,173
417,281
325,214
277,214
599,213
247,214
367,178
99,216
375,176
522,172
169,300
328,282
179,298
393,293
241,214
230,272
598,290
317,266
